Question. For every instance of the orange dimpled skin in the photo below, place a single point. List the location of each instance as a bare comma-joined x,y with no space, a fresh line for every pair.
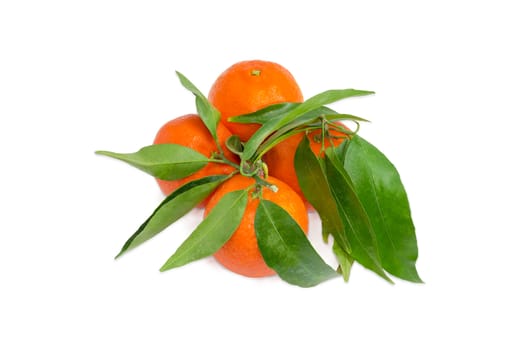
248,86
241,253
280,159
189,131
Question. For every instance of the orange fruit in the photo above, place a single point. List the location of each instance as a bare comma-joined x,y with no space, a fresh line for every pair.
248,86
280,159
240,253
189,131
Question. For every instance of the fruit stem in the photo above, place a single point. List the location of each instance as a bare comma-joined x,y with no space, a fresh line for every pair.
223,160
323,135
220,149
263,183
250,169
343,129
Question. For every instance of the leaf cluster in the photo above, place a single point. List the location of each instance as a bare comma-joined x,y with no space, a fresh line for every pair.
353,186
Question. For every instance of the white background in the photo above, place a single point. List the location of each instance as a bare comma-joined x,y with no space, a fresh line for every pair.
77,76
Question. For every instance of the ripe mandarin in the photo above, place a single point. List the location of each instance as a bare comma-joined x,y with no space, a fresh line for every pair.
240,253
189,131
248,86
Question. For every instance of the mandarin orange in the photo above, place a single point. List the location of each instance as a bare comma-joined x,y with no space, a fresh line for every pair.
189,131
248,86
240,253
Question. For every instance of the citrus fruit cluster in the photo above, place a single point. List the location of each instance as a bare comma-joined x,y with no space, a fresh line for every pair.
257,156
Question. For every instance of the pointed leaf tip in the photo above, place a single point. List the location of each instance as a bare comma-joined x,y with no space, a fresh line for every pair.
172,208
358,228
382,194
210,235
315,187
292,114
164,161
208,114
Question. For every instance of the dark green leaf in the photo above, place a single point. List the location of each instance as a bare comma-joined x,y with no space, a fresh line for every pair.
340,151
312,103
315,187
344,259
173,207
207,112
212,232
266,114
379,187
358,227
164,161
286,249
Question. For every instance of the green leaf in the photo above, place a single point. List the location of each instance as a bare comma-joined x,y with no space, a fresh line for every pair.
277,111
313,116
286,249
310,119
266,114
214,231
173,207
164,161
344,259
340,151
315,187
234,144
358,227
305,119
382,194
206,110
312,103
